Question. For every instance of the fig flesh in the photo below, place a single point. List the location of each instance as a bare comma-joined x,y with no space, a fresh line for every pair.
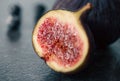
62,40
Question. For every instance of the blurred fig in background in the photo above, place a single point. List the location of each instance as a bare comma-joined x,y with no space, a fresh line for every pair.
14,21
14,18
103,19
39,11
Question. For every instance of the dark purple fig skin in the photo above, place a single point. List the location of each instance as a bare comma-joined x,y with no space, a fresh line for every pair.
103,19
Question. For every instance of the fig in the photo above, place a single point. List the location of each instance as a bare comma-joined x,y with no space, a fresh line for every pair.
103,20
39,9
14,18
63,41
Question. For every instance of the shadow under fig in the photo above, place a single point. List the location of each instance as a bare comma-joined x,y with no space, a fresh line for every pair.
103,67
53,76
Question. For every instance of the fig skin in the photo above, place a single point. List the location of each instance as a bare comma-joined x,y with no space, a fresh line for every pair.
85,29
103,19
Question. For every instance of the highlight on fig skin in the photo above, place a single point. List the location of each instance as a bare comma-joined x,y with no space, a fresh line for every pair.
62,40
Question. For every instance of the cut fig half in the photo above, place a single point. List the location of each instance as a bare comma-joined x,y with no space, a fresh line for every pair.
62,40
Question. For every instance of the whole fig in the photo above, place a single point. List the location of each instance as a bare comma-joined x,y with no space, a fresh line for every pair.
103,19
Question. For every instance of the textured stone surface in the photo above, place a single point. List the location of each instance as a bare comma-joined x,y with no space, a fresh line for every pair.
18,61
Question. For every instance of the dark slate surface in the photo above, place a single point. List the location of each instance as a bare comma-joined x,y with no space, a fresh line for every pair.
18,61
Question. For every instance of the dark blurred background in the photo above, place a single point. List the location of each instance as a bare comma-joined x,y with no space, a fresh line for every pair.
18,61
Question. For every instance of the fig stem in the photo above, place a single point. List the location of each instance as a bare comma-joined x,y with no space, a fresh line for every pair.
82,10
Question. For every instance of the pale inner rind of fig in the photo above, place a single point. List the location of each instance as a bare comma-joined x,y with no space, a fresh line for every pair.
59,40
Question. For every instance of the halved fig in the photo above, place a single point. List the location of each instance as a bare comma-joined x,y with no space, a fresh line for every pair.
62,40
